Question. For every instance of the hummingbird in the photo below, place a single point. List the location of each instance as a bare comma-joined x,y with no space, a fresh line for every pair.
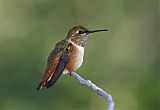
67,56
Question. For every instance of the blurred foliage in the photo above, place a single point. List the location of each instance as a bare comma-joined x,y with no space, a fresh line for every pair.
123,61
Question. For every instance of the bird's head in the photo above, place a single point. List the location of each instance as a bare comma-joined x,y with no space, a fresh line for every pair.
79,34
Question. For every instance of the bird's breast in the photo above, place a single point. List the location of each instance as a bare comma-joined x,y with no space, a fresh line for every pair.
76,58
79,56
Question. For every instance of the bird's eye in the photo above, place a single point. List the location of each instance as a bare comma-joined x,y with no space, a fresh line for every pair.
80,32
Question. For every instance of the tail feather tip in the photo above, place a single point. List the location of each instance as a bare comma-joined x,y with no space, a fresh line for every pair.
39,87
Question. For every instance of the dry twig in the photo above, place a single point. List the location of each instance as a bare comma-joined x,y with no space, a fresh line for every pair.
97,89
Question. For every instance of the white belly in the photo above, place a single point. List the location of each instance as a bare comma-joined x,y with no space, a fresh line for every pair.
80,56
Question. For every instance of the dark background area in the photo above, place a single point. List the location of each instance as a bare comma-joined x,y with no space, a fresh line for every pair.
123,61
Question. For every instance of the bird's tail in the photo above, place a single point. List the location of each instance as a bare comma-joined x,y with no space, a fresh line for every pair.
40,86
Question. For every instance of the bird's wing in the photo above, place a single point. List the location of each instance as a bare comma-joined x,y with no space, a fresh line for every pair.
59,69
56,63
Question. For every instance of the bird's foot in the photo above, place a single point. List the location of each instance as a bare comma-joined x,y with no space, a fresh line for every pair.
71,73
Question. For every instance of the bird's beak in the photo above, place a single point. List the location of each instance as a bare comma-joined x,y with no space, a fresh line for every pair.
93,31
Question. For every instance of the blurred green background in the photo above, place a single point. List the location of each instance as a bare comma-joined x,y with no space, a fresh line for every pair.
123,61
